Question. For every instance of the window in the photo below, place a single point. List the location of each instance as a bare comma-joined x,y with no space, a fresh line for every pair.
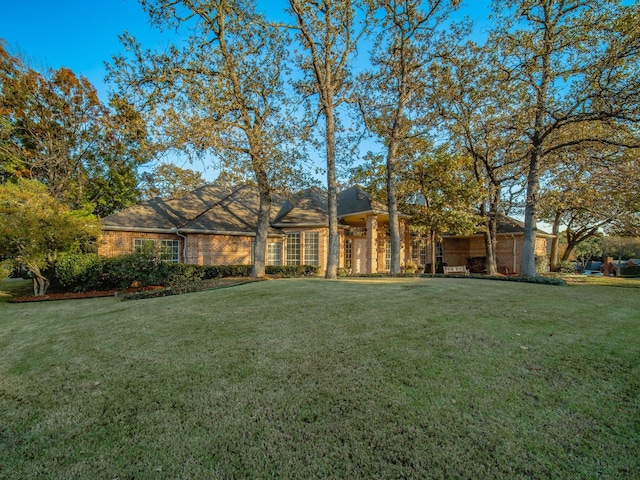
274,253
293,249
387,255
348,253
143,245
439,254
311,249
170,250
419,252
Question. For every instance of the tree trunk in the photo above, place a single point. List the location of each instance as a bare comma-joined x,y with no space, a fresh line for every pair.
528,262
432,241
555,241
490,252
40,282
490,232
331,271
264,214
392,203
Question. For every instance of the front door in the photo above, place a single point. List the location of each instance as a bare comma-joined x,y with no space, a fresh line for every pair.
359,255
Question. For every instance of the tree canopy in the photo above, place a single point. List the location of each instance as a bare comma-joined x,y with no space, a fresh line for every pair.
54,129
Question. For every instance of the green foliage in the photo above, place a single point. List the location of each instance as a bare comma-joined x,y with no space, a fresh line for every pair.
6,267
623,247
54,129
542,263
588,249
86,272
344,272
505,278
76,272
292,270
35,227
632,271
170,181
220,271
565,267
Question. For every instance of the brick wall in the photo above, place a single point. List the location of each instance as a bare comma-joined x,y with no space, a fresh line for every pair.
219,249
113,243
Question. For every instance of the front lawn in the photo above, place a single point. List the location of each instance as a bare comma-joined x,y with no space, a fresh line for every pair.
306,378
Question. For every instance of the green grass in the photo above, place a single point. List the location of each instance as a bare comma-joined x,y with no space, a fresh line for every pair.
356,378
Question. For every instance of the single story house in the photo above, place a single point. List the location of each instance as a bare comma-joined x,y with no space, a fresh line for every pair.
215,225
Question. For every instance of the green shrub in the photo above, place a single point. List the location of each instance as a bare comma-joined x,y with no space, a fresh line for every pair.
565,267
292,270
76,272
632,271
504,278
343,272
141,268
182,273
542,263
220,271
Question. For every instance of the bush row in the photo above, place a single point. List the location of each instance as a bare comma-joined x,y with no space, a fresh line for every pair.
86,272
506,278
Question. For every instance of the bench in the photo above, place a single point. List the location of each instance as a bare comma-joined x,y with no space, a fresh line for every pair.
456,270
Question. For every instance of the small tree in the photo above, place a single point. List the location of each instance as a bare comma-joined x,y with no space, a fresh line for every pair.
587,250
34,227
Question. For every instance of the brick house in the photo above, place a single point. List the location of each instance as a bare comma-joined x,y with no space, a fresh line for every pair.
216,225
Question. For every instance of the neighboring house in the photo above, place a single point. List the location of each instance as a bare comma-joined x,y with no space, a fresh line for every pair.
634,262
216,225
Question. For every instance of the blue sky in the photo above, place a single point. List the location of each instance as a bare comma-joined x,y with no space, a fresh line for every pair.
82,35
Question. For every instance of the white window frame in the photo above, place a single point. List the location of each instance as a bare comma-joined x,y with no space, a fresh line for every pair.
170,250
293,248
311,248
274,253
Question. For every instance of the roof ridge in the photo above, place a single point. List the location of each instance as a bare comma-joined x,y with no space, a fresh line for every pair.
214,204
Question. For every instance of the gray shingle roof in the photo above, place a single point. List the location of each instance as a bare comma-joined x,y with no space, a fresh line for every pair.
356,200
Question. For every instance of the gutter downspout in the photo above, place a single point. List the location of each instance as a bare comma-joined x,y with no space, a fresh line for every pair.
184,244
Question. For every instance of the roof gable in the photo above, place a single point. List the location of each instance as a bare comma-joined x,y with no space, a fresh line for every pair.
356,200
308,207
236,213
167,214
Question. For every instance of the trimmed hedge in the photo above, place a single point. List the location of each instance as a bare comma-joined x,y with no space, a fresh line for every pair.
87,272
539,280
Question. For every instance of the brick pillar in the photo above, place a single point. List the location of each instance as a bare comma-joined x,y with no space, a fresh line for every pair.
372,244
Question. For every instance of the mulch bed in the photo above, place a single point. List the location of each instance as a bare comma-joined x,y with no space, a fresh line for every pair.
73,295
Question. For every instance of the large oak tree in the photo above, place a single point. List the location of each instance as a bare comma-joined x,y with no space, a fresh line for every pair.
396,94
218,90
329,32
577,63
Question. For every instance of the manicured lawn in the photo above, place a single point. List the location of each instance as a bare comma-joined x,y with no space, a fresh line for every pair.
356,378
